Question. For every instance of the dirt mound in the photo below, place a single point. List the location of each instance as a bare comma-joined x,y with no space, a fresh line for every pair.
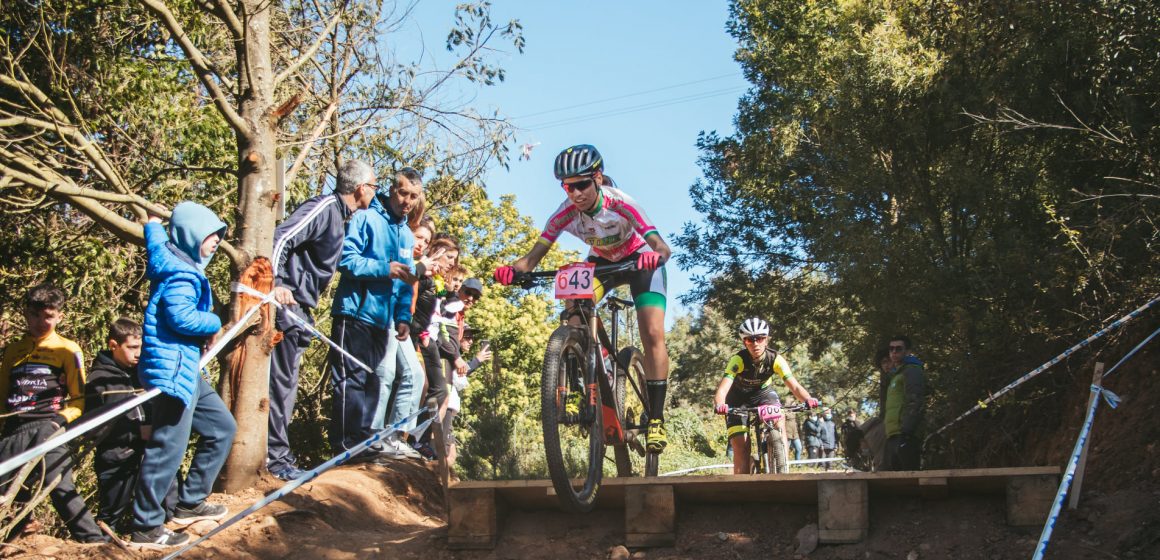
348,513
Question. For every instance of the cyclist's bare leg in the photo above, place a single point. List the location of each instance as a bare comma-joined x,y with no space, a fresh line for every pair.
740,443
651,322
652,336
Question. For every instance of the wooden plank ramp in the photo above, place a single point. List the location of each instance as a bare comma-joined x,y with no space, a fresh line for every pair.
651,504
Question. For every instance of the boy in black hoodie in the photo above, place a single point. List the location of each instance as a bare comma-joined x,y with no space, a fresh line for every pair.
121,443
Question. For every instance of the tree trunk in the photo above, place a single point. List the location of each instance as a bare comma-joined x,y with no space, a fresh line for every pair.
246,386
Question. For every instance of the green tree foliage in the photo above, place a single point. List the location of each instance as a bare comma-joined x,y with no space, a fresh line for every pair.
112,110
980,175
499,423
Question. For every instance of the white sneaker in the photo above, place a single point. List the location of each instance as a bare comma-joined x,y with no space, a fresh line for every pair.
395,449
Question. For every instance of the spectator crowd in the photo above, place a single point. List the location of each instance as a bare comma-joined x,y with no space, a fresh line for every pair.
400,341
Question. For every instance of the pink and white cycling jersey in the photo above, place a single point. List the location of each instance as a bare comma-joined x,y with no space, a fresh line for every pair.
615,229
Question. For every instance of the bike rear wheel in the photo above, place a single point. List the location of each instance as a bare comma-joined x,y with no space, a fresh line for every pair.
573,443
775,455
632,409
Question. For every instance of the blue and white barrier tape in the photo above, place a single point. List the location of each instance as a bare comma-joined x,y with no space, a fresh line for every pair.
983,404
1131,353
1072,464
306,477
1113,401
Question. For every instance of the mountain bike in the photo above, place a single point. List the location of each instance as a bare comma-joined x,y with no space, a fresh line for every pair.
761,422
591,395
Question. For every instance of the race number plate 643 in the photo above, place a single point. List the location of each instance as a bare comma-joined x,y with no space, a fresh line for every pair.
576,281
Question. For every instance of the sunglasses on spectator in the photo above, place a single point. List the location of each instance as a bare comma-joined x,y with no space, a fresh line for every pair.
755,338
472,294
578,185
897,348
373,186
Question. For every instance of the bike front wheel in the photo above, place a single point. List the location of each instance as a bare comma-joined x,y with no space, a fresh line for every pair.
570,412
775,454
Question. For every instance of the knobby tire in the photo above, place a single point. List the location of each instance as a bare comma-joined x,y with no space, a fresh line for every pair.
775,452
568,344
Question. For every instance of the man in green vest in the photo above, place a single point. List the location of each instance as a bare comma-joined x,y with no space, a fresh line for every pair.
905,400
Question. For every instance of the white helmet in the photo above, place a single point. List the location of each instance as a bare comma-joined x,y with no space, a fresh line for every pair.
754,327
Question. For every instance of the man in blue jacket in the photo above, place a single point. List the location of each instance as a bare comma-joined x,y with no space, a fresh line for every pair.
373,293
179,320
307,246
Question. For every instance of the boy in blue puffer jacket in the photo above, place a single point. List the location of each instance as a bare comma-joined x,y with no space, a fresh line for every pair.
178,321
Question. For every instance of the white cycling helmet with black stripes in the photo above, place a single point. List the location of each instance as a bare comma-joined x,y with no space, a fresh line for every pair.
754,327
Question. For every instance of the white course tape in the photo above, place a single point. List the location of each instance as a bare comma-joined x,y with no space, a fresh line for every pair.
241,288
1072,464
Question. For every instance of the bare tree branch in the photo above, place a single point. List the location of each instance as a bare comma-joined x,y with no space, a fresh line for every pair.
227,15
322,123
313,49
208,76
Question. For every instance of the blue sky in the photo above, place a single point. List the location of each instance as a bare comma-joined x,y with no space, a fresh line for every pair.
638,79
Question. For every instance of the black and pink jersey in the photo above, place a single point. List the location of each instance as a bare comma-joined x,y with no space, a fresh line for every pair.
614,229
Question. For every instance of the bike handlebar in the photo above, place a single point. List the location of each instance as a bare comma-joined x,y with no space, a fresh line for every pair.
744,409
529,279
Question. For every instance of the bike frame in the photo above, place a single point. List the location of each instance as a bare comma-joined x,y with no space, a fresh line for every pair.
758,428
598,337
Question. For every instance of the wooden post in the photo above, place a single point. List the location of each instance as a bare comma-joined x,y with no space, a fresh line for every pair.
473,518
650,516
1077,482
439,441
843,511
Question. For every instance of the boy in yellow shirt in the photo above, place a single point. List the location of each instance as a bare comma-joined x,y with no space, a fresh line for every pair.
42,382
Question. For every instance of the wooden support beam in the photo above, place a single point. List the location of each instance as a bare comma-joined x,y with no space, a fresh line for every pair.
650,516
843,511
933,488
473,518
1029,499
1077,481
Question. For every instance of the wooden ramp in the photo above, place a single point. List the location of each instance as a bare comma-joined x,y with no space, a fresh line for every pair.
650,504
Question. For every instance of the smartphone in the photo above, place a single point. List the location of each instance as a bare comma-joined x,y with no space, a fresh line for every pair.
484,344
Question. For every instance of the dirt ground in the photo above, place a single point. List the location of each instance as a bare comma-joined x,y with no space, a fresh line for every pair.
369,512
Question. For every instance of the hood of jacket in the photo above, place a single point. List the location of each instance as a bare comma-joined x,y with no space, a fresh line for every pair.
189,225
105,362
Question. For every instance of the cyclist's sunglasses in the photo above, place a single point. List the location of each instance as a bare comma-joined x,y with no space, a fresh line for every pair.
578,185
755,338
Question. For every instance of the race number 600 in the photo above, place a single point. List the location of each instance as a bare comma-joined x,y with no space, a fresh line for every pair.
576,281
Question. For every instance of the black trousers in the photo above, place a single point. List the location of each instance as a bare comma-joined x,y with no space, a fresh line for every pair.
903,453
20,436
284,362
118,469
356,391
436,381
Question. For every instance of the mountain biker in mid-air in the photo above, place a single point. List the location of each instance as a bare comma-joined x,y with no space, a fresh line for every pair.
748,381
617,229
